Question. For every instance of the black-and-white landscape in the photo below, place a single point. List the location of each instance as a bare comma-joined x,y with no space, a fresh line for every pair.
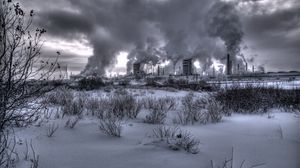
149,83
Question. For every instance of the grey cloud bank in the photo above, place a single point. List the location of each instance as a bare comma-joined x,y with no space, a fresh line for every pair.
175,29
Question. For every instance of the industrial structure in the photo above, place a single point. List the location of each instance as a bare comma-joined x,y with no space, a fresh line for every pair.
232,72
228,65
187,67
136,69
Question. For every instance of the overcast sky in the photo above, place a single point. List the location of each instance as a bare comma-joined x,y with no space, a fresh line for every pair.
267,32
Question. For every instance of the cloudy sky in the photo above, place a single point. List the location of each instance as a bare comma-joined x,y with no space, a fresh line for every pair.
97,35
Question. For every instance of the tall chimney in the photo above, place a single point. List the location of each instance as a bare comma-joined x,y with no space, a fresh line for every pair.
229,65
246,67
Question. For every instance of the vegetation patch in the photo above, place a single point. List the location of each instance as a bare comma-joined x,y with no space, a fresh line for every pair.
257,99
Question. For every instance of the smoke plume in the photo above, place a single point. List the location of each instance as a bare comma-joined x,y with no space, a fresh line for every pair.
153,30
224,22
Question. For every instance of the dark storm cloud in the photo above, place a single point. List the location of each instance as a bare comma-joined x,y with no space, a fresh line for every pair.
65,23
275,36
280,21
151,30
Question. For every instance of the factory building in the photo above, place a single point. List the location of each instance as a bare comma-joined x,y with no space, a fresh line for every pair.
137,68
187,67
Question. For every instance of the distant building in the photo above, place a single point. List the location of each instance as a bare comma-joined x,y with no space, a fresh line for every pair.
187,67
137,68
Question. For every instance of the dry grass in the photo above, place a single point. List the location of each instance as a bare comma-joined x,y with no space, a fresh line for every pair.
111,126
51,129
177,139
198,110
257,99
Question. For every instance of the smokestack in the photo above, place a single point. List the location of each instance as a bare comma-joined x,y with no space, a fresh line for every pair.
253,68
229,65
246,67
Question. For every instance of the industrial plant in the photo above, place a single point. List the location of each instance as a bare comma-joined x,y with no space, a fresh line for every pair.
232,72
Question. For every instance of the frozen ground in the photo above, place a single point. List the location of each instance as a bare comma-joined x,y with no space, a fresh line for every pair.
272,141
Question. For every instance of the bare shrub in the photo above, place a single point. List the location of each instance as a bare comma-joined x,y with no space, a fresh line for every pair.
73,108
193,110
81,99
228,163
158,108
214,110
244,99
133,107
26,153
111,126
47,113
105,109
198,109
116,105
8,154
158,112
288,100
71,122
60,96
93,105
257,99
164,133
51,129
3,148
177,139
170,102
39,123
123,106
148,103
35,158
189,112
156,116
57,114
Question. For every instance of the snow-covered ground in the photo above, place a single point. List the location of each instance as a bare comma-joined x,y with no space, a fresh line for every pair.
273,142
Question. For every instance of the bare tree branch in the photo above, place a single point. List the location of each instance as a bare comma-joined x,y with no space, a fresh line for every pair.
23,73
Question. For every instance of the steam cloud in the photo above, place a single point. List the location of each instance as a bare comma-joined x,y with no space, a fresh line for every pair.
223,22
173,30
153,30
